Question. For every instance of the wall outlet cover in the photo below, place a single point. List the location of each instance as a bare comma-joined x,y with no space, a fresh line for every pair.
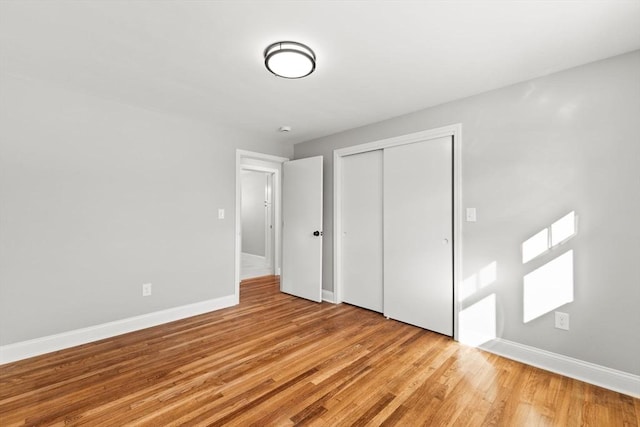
562,320
471,215
146,289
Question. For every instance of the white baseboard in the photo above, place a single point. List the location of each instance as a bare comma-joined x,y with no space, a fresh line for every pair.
328,296
591,373
256,258
35,347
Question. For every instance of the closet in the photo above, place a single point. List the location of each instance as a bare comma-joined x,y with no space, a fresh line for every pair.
362,230
397,232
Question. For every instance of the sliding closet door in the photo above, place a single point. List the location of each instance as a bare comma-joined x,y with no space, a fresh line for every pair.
361,219
418,228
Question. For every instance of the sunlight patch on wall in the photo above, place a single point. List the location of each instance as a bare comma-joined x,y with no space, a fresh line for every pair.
469,287
535,245
559,232
548,287
478,322
484,277
563,229
487,275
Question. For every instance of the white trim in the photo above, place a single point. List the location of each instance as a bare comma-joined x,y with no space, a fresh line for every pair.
451,130
277,189
328,296
269,221
591,373
256,258
35,347
260,156
454,131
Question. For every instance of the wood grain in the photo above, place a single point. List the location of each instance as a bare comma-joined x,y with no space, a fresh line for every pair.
276,360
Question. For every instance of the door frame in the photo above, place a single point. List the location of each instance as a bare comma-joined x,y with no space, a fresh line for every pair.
455,132
268,163
270,221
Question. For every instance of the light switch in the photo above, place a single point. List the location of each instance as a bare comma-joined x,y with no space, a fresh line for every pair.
220,213
471,214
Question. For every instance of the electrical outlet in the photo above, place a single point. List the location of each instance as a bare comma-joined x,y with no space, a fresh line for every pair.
562,320
146,289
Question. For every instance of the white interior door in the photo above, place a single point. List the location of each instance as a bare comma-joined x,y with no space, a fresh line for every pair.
361,218
302,228
418,229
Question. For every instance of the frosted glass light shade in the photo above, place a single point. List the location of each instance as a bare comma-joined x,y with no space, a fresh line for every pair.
291,60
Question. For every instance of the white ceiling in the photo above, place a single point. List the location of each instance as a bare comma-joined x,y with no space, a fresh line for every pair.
376,59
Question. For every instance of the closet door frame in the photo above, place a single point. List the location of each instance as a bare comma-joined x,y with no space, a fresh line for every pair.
453,131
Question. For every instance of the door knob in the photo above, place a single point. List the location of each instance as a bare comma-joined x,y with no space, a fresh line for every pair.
317,233
445,241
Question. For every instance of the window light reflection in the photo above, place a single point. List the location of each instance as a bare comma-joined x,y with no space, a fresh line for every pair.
478,322
535,245
563,229
548,287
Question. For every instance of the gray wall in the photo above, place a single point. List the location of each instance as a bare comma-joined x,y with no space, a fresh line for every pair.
253,212
99,198
531,153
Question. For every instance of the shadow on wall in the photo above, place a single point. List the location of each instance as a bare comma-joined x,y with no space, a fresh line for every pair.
544,289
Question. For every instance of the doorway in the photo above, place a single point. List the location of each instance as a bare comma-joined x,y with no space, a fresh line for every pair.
270,167
301,265
257,224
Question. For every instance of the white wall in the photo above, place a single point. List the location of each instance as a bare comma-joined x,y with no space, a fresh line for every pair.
531,153
253,212
100,197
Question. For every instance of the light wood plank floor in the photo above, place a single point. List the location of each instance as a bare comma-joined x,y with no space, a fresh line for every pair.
278,360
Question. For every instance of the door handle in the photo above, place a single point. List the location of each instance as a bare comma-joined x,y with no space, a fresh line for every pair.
317,233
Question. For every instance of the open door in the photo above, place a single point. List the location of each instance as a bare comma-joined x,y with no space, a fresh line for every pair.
302,228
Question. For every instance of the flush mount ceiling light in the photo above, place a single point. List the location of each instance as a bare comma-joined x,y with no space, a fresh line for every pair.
291,60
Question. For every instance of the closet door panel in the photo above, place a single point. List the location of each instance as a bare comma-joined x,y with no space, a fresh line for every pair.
418,229
362,230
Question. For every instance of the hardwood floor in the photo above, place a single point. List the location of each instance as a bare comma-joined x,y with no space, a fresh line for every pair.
279,360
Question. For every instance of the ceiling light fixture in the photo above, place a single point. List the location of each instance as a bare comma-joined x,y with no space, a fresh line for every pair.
291,60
